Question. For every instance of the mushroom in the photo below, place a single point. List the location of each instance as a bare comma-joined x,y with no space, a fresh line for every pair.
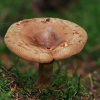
45,40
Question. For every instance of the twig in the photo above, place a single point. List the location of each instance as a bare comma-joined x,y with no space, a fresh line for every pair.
92,88
14,64
3,68
61,86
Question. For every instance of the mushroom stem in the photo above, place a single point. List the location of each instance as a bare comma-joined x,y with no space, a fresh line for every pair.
45,74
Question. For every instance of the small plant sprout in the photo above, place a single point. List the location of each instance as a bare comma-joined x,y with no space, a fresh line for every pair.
45,40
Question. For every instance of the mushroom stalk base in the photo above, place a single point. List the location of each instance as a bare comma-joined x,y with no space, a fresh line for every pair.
45,74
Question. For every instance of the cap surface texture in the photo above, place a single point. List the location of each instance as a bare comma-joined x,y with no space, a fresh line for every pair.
45,39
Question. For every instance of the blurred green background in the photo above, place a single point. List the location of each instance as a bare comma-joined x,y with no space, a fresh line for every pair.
86,13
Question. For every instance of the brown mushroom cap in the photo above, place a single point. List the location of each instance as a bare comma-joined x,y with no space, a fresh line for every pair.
45,39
